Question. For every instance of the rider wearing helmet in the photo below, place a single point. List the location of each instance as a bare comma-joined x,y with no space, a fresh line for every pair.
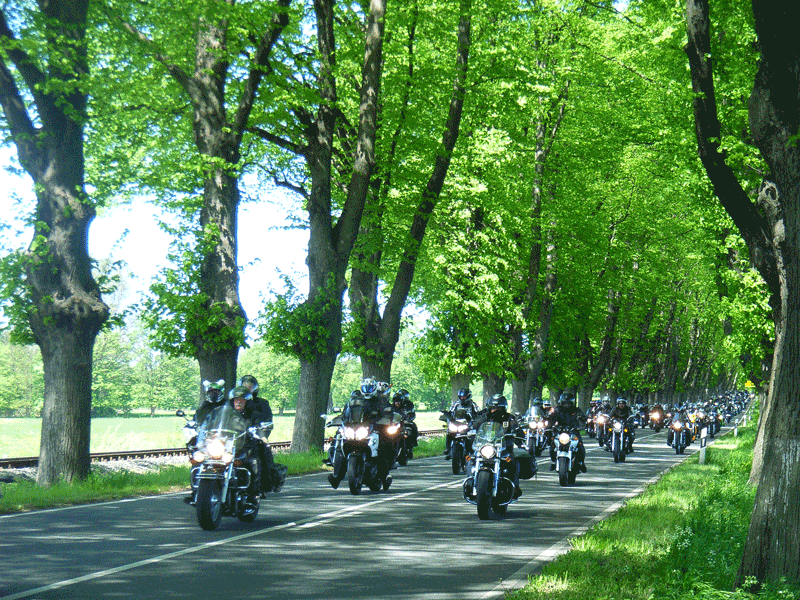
622,412
402,405
242,401
275,474
497,410
215,396
463,407
570,416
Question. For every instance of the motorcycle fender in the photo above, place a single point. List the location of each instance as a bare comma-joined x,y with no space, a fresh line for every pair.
374,439
564,454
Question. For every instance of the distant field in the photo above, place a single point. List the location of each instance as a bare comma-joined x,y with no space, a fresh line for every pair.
20,437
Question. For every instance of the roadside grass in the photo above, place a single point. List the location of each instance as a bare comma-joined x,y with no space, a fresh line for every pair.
682,538
24,495
113,434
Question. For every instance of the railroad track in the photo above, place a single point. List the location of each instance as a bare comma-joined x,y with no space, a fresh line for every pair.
33,461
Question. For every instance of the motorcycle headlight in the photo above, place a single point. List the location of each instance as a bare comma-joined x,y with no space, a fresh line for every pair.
563,438
215,449
463,428
198,456
617,426
677,425
362,433
392,429
227,457
532,425
601,419
541,425
349,433
488,451
452,426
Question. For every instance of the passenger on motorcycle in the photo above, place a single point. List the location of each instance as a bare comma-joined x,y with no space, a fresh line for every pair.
242,401
274,475
464,404
497,410
622,412
402,405
570,416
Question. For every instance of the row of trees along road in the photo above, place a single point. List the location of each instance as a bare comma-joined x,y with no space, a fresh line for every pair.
526,172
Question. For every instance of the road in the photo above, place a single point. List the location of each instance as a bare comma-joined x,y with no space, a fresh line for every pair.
420,540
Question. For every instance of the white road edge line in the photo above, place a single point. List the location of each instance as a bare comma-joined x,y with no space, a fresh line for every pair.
306,523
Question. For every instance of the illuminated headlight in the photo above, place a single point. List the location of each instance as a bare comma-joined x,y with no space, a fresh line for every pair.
563,438
392,429
349,433
532,425
488,452
701,414
198,456
215,449
655,415
617,426
601,420
541,424
362,433
677,425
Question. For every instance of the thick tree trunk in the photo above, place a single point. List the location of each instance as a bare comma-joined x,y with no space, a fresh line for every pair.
458,382
492,384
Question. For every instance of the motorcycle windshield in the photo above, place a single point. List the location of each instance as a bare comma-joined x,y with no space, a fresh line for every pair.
222,422
488,433
360,411
536,413
460,414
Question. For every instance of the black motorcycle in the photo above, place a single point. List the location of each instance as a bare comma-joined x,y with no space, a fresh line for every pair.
405,451
680,435
364,444
621,441
461,435
220,478
490,482
566,441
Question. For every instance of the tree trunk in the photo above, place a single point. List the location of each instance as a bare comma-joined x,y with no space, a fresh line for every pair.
492,384
771,228
458,382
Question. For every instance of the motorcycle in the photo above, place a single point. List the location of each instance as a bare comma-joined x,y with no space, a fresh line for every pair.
566,442
602,428
490,484
536,426
461,434
656,420
680,435
363,439
404,450
620,442
219,482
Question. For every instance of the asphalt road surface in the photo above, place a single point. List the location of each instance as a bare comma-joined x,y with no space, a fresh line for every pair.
420,540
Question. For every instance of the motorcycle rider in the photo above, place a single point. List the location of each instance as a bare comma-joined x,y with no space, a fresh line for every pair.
274,474
402,405
622,412
215,396
570,416
242,401
464,403
497,411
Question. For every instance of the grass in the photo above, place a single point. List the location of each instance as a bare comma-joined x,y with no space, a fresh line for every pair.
26,495
21,436
682,538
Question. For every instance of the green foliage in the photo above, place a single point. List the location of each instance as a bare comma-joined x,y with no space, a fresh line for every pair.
278,375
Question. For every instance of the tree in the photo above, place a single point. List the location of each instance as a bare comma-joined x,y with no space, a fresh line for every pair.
58,302
769,224
197,311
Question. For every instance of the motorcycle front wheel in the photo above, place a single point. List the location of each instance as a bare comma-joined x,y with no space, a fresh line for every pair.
355,473
209,503
483,492
563,471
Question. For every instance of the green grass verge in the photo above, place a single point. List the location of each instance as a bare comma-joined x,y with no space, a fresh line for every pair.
25,495
682,538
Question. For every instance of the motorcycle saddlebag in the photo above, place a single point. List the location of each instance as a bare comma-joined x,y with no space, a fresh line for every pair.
527,465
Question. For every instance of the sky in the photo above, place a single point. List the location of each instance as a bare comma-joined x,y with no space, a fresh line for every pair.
131,234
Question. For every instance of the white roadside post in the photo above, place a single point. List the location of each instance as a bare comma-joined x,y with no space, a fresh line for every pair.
703,438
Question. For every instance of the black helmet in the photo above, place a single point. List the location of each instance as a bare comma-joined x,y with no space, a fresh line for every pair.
622,401
497,401
401,395
249,382
464,395
566,400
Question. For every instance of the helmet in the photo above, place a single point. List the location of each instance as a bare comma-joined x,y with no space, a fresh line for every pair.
464,395
369,387
622,401
497,401
566,401
214,391
401,395
537,402
249,382
547,404
240,391
383,387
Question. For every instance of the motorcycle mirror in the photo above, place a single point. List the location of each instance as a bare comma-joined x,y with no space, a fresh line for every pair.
180,413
